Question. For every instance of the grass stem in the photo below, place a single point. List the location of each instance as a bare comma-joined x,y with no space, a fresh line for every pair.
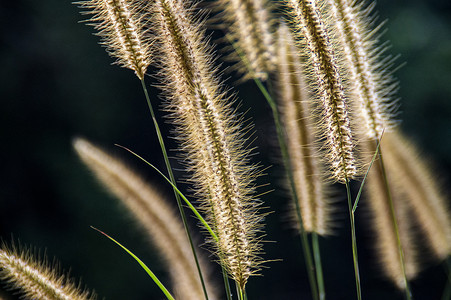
447,291
354,241
318,266
286,159
172,178
408,294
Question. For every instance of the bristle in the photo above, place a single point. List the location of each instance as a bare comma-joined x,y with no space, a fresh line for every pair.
148,207
122,27
249,24
371,83
37,280
296,116
210,137
386,240
335,124
423,193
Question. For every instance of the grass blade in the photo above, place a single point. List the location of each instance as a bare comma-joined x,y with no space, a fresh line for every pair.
142,264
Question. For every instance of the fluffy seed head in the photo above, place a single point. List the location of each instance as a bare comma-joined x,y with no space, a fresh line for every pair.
149,208
121,24
248,24
37,280
210,136
383,225
422,192
296,111
324,70
372,84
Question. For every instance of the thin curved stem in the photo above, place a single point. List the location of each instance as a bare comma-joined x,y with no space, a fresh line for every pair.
447,291
172,178
318,266
283,148
408,293
354,242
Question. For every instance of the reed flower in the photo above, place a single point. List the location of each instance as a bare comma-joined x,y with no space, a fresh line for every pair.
211,137
422,192
323,69
37,280
249,24
150,210
122,26
386,238
296,111
371,82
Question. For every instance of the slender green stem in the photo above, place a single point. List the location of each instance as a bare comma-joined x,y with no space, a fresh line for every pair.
142,264
286,161
357,199
408,293
354,242
447,291
226,283
318,266
241,293
171,176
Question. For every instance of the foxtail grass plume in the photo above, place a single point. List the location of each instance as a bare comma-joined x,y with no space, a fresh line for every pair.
296,116
422,192
323,69
371,82
122,26
149,208
249,24
386,240
38,280
210,136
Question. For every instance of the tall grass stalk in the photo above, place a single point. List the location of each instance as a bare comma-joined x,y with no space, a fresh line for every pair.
395,225
313,276
125,35
355,257
172,178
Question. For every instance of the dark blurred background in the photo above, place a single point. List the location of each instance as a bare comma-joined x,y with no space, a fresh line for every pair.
56,82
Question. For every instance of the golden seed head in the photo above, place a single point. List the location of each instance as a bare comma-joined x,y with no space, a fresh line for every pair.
37,280
211,137
422,191
335,124
150,209
386,242
122,27
249,25
296,115
369,75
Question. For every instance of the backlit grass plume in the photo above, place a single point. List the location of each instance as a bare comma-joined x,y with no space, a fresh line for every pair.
122,26
148,207
370,79
323,70
210,136
249,24
37,280
386,240
296,110
423,194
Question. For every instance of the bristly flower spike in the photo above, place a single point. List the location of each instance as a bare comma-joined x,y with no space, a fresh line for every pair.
122,26
372,83
37,280
149,208
249,24
296,111
211,138
323,68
